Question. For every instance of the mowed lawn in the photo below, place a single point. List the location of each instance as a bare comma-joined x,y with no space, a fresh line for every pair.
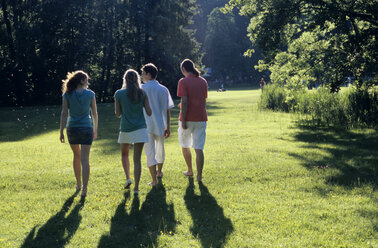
268,182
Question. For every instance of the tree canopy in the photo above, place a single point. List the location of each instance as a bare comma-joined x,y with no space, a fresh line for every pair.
43,40
314,40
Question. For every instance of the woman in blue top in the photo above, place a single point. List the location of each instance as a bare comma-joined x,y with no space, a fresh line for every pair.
129,104
78,101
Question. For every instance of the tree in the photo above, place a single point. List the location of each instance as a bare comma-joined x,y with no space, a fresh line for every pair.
225,43
40,41
346,32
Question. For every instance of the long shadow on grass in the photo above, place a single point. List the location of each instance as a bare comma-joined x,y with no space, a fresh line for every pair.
59,229
141,227
353,155
209,223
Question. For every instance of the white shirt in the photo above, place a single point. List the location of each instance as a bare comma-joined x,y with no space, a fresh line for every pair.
160,101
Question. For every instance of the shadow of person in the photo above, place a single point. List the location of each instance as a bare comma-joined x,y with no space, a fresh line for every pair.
209,223
158,215
58,230
141,227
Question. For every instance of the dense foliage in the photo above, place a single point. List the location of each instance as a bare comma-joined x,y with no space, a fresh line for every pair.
321,41
352,107
42,40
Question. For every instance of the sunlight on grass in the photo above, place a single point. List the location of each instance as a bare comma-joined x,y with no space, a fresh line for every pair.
267,183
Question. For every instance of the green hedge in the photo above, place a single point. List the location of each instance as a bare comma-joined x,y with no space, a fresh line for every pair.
350,108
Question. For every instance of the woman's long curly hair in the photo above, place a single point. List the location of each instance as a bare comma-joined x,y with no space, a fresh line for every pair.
131,82
72,80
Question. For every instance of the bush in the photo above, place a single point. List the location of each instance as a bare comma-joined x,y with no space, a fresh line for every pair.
361,106
352,108
326,107
273,97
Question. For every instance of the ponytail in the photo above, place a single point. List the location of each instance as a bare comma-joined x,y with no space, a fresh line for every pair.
189,66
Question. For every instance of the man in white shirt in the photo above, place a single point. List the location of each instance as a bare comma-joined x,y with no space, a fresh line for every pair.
158,124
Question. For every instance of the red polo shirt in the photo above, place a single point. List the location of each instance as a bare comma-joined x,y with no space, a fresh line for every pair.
195,88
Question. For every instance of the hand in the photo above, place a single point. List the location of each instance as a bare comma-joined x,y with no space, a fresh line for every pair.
95,135
167,133
61,137
183,124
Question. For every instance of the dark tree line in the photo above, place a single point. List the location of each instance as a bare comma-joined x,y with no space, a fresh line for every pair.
40,41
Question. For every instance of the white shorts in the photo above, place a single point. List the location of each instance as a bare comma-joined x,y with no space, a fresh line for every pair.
154,150
194,136
137,136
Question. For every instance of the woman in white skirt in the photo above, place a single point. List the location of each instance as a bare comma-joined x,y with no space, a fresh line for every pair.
129,103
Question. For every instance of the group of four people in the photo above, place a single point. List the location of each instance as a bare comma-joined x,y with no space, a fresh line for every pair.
145,121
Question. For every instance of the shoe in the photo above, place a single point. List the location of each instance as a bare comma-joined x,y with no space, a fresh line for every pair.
128,183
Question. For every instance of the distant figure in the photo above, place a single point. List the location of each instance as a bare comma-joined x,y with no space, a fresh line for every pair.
349,81
129,103
221,89
193,117
158,124
262,83
77,103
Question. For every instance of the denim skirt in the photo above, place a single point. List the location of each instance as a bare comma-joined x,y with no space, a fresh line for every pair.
80,135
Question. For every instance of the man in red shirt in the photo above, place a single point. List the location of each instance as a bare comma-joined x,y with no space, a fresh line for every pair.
193,117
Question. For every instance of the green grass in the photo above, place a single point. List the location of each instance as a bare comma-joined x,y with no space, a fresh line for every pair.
268,182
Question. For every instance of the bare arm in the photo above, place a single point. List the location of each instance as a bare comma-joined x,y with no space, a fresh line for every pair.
117,108
147,106
95,117
184,110
167,131
63,118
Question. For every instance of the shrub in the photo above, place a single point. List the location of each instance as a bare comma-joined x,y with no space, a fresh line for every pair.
326,107
273,97
361,106
351,108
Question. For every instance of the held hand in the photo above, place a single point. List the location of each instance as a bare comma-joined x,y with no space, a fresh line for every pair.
95,135
167,133
61,137
184,125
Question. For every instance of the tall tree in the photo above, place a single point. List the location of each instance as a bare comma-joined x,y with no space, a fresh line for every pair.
348,30
41,41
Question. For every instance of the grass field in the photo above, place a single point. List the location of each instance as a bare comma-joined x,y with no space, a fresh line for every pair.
268,182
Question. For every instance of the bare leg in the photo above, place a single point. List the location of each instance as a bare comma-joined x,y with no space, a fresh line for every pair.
188,159
76,165
85,149
138,148
153,175
159,172
125,159
199,161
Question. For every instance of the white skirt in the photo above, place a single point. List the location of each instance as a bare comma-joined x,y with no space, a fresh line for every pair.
137,136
